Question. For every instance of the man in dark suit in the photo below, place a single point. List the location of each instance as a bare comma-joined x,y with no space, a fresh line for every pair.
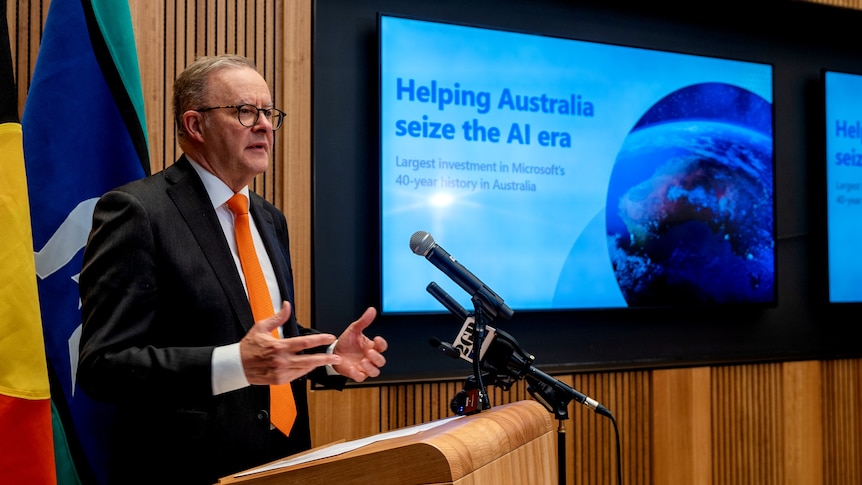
168,332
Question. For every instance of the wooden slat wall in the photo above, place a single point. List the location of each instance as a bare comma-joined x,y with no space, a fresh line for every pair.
777,423
172,33
841,425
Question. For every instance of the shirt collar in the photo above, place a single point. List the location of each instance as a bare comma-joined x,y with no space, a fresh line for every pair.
217,190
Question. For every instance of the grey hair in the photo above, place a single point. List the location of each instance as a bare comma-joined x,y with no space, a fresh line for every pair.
191,86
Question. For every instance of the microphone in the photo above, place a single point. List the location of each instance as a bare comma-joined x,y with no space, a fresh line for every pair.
445,347
453,306
506,356
422,244
545,388
500,352
468,400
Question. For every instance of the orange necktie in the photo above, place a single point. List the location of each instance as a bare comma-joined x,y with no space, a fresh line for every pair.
282,406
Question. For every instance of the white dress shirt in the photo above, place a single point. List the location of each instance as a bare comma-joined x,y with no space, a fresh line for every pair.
227,371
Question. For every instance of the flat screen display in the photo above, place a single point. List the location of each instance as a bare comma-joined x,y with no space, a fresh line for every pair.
568,174
843,105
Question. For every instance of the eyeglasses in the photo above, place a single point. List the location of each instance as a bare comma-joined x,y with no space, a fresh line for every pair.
248,114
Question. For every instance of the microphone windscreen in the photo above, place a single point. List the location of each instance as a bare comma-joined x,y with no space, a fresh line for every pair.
421,242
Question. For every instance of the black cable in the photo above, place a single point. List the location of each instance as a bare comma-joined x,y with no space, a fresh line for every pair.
619,453
479,331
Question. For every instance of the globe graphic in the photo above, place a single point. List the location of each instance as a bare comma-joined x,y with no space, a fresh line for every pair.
689,212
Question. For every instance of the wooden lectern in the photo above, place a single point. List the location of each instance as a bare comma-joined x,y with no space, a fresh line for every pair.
509,444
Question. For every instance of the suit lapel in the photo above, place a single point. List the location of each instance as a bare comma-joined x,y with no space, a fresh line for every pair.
189,195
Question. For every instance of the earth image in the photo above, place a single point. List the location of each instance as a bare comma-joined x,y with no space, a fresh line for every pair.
689,214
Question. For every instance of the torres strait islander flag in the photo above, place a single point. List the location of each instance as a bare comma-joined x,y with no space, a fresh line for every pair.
83,134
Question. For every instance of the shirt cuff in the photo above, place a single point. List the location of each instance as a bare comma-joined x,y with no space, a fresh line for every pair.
227,372
330,371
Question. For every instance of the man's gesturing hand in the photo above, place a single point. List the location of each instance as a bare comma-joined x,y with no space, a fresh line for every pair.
270,360
361,357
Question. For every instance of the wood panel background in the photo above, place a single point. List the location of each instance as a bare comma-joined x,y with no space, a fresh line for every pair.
772,423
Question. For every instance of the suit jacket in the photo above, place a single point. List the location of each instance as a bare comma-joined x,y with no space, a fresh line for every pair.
160,290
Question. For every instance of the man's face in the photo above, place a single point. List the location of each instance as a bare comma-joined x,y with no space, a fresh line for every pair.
234,152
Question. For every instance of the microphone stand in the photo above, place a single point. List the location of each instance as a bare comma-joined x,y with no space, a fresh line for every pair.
556,396
509,359
507,363
556,400
479,332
